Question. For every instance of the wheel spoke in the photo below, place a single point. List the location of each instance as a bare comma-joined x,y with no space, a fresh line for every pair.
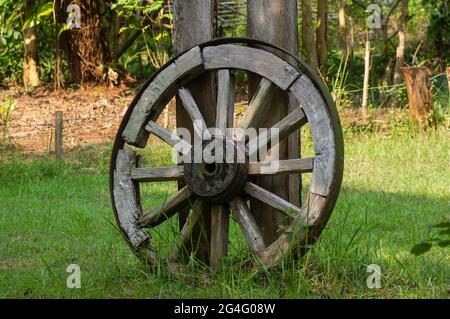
157,174
219,235
271,199
166,210
165,135
292,166
194,112
186,231
248,225
225,100
293,121
258,106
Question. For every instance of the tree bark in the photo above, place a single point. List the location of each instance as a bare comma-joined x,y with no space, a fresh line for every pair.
276,22
58,81
418,88
308,36
400,54
30,60
86,47
365,101
193,24
321,36
344,34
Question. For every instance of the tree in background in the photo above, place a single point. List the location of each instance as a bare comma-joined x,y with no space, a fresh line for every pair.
30,58
86,47
400,52
321,36
308,35
439,30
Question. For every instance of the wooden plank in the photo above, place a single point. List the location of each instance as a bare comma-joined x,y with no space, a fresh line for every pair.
275,22
294,151
257,61
318,116
225,100
271,199
292,166
259,105
292,122
248,225
125,199
158,93
194,23
167,209
186,232
194,113
219,235
167,136
158,174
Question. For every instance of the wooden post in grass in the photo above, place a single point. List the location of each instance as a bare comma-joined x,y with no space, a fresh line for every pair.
59,134
276,22
194,24
420,100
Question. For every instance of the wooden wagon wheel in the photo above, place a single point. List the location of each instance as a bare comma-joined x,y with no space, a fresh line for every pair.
228,185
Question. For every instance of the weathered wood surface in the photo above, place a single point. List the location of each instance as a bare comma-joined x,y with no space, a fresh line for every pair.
248,225
258,106
219,235
125,199
420,99
166,136
257,61
59,134
292,166
275,22
289,124
194,113
193,24
226,82
319,118
271,199
167,209
294,151
159,92
157,174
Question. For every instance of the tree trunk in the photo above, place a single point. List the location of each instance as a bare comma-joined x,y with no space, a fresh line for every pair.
308,36
321,36
400,54
30,60
276,22
365,101
193,24
58,81
420,99
343,29
86,47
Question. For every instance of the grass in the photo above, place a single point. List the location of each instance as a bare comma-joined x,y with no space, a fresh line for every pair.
395,185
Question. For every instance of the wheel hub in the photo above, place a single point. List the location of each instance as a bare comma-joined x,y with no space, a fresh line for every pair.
217,181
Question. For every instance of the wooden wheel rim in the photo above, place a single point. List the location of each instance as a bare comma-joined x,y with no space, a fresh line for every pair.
298,81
